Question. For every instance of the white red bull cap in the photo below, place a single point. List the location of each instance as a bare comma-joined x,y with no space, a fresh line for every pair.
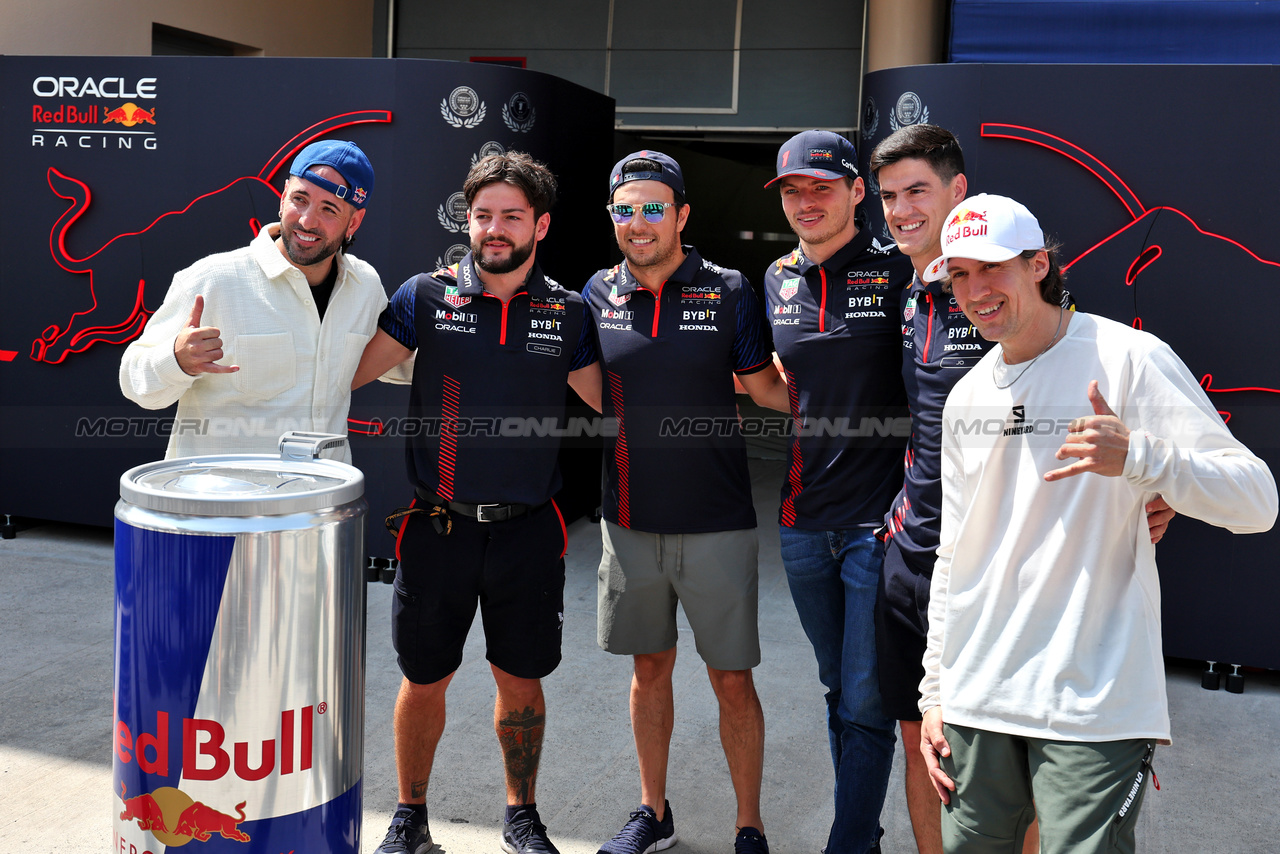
985,228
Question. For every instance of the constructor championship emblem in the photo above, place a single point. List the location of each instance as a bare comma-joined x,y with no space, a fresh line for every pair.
463,108
452,215
488,149
518,113
909,110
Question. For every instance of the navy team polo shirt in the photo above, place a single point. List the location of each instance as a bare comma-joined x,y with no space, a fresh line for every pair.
678,461
488,392
835,327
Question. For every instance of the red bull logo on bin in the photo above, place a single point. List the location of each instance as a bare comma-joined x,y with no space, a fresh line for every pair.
172,817
129,114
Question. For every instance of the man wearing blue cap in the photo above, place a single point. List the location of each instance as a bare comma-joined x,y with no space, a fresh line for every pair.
266,338
833,307
679,524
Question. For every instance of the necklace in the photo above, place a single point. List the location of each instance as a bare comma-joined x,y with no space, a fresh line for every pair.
1032,362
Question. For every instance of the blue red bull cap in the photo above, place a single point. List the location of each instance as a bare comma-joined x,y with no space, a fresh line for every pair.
817,154
668,172
349,161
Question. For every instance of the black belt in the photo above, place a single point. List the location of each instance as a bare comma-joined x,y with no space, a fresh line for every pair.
479,512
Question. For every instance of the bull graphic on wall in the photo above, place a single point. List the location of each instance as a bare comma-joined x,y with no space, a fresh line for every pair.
1147,271
115,311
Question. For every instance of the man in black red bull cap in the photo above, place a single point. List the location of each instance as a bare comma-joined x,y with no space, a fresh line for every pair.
832,303
258,341
679,524
497,342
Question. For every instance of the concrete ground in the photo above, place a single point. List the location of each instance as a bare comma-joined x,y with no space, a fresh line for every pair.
1219,782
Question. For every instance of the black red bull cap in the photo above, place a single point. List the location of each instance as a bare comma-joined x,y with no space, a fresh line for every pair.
668,171
349,161
817,154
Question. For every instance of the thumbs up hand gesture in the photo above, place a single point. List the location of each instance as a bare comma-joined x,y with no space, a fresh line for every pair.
1100,442
198,348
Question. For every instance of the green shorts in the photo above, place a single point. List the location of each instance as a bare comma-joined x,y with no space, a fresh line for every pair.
1086,793
715,577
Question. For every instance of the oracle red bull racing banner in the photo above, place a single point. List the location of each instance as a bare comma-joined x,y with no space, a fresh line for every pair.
124,170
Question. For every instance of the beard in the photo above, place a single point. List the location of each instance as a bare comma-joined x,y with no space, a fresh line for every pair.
307,255
658,254
498,266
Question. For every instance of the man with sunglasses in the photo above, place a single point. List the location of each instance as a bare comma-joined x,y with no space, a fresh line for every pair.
833,306
679,524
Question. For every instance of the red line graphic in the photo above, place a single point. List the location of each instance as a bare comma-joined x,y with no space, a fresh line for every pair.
58,341
1138,214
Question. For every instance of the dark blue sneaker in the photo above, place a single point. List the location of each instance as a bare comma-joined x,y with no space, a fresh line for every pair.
406,836
643,833
750,841
526,834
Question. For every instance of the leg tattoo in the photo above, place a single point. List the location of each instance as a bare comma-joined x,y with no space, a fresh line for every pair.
520,734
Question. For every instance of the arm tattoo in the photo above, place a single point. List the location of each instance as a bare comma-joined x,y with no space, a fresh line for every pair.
520,734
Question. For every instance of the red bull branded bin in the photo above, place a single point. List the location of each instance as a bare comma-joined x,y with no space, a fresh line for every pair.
239,671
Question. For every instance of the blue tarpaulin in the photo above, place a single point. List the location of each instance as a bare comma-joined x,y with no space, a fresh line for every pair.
1116,31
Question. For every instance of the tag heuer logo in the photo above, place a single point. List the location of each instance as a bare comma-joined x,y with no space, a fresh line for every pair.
454,299
463,108
618,299
910,310
790,287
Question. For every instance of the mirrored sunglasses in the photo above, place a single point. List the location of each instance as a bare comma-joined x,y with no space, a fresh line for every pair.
653,212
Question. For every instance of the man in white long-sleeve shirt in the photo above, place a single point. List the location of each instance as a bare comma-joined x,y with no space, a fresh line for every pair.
1044,676
265,339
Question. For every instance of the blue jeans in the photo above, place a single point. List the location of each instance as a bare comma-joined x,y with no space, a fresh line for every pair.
833,577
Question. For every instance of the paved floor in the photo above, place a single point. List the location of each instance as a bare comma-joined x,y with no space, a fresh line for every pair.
1220,781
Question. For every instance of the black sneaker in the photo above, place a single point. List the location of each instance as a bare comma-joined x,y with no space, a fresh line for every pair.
405,836
526,834
750,841
643,833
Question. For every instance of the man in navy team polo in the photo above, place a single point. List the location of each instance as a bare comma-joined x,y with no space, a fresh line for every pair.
920,170
833,304
496,341
679,524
